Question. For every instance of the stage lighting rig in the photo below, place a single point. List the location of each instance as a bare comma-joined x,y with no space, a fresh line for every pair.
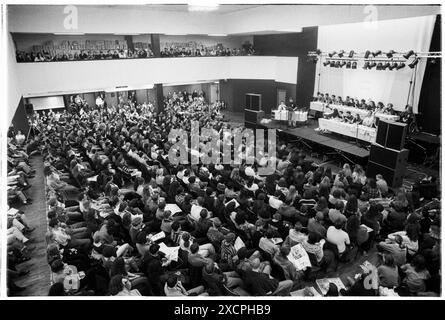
327,62
366,65
367,53
351,54
331,54
354,65
341,53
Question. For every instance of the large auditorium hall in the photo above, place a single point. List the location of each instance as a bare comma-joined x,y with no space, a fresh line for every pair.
225,150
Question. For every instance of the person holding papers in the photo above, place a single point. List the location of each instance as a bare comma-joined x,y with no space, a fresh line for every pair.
282,107
290,272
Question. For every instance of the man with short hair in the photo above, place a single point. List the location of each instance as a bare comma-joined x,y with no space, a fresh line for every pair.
261,284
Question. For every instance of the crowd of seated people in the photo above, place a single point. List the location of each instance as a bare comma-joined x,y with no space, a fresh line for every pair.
356,103
81,55
113,226
407,116
19,230
170,50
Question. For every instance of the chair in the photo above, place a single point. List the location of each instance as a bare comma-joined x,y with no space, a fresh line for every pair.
312,115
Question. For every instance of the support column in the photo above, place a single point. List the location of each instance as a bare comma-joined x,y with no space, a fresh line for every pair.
156,45
159,97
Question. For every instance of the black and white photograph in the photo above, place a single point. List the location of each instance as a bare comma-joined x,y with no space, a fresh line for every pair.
199,150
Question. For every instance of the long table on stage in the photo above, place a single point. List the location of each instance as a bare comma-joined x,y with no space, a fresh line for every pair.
352,130
297,116
323,107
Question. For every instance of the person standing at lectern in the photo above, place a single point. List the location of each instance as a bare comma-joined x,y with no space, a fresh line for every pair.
292,105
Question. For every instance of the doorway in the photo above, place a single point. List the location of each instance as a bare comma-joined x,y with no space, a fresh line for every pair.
281,96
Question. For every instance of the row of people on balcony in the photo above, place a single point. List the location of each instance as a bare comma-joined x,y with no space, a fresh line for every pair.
76,55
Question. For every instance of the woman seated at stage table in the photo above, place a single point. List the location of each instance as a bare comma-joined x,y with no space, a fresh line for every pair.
348,117
380,107
369,120
389,109
357,119
334,115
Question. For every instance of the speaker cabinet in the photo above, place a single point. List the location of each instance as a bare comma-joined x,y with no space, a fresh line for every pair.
388,157
253,116
394,178
253,101
391,134
390,163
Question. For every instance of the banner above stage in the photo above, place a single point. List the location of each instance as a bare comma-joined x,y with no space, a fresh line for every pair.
387,86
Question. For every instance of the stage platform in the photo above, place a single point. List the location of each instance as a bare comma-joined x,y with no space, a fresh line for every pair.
344,146
329,140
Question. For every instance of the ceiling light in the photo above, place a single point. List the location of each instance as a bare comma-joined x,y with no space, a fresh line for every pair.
372,65
366,65
348,65
354,65
340,54
342,64
331,54
327,62
351,53
367,53
379,66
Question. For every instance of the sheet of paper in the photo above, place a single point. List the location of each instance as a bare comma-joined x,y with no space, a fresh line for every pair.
12,211
173,208
158,236
299,257
171,253
239,244
92,179
277,240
